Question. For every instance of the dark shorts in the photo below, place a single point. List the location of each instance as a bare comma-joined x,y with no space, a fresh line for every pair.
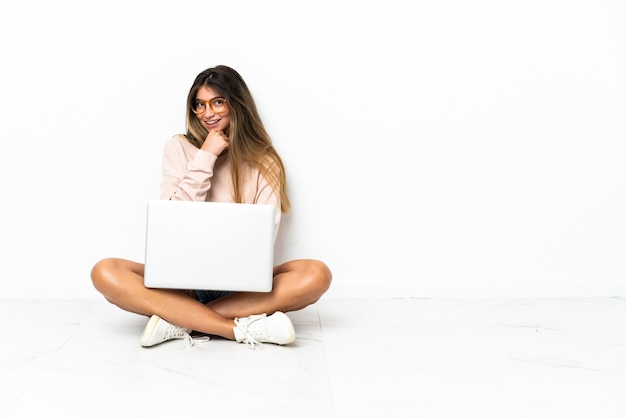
206,296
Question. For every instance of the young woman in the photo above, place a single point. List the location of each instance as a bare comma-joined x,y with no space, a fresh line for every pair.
225,156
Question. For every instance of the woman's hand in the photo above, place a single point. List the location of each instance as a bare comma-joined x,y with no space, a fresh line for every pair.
215,142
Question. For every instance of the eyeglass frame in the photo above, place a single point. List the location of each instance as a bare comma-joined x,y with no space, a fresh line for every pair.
210,105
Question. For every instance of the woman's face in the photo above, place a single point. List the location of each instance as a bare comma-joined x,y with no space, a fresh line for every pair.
213,113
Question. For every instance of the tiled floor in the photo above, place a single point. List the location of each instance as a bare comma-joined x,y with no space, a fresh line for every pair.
353,358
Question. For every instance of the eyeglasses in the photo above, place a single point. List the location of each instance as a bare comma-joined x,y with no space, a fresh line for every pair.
217,105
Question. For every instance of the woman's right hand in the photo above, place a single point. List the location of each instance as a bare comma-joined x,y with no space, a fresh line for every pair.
215,142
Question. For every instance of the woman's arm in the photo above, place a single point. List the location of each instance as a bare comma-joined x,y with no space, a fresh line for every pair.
186,176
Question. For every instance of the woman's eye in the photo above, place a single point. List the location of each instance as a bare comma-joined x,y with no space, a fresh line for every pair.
199,105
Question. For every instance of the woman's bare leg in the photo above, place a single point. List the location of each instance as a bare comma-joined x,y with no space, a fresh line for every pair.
297,284
121,283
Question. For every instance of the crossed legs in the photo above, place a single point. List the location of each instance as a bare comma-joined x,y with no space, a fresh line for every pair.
297,284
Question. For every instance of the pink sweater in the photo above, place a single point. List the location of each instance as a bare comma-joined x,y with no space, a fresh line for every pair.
193,174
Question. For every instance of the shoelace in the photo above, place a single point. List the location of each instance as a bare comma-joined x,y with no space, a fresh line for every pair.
190,341
243,325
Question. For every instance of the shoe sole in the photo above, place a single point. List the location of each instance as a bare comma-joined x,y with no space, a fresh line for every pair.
148,330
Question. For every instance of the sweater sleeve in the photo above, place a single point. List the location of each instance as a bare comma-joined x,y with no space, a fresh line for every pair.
185,179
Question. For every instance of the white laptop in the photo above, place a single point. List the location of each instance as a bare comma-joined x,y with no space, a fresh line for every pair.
209,246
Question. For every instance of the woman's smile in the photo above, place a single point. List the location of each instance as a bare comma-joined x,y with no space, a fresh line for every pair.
211,123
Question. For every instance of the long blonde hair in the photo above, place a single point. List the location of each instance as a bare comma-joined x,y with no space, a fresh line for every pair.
249,143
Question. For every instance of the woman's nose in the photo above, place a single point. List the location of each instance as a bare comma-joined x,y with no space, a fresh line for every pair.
208,112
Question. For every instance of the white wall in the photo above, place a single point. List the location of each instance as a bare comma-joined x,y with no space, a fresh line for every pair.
445,148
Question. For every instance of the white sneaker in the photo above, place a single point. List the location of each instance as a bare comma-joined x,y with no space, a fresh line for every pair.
257,329
158,330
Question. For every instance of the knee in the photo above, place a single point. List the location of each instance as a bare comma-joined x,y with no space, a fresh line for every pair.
103,275
325,276
318,276
299,283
